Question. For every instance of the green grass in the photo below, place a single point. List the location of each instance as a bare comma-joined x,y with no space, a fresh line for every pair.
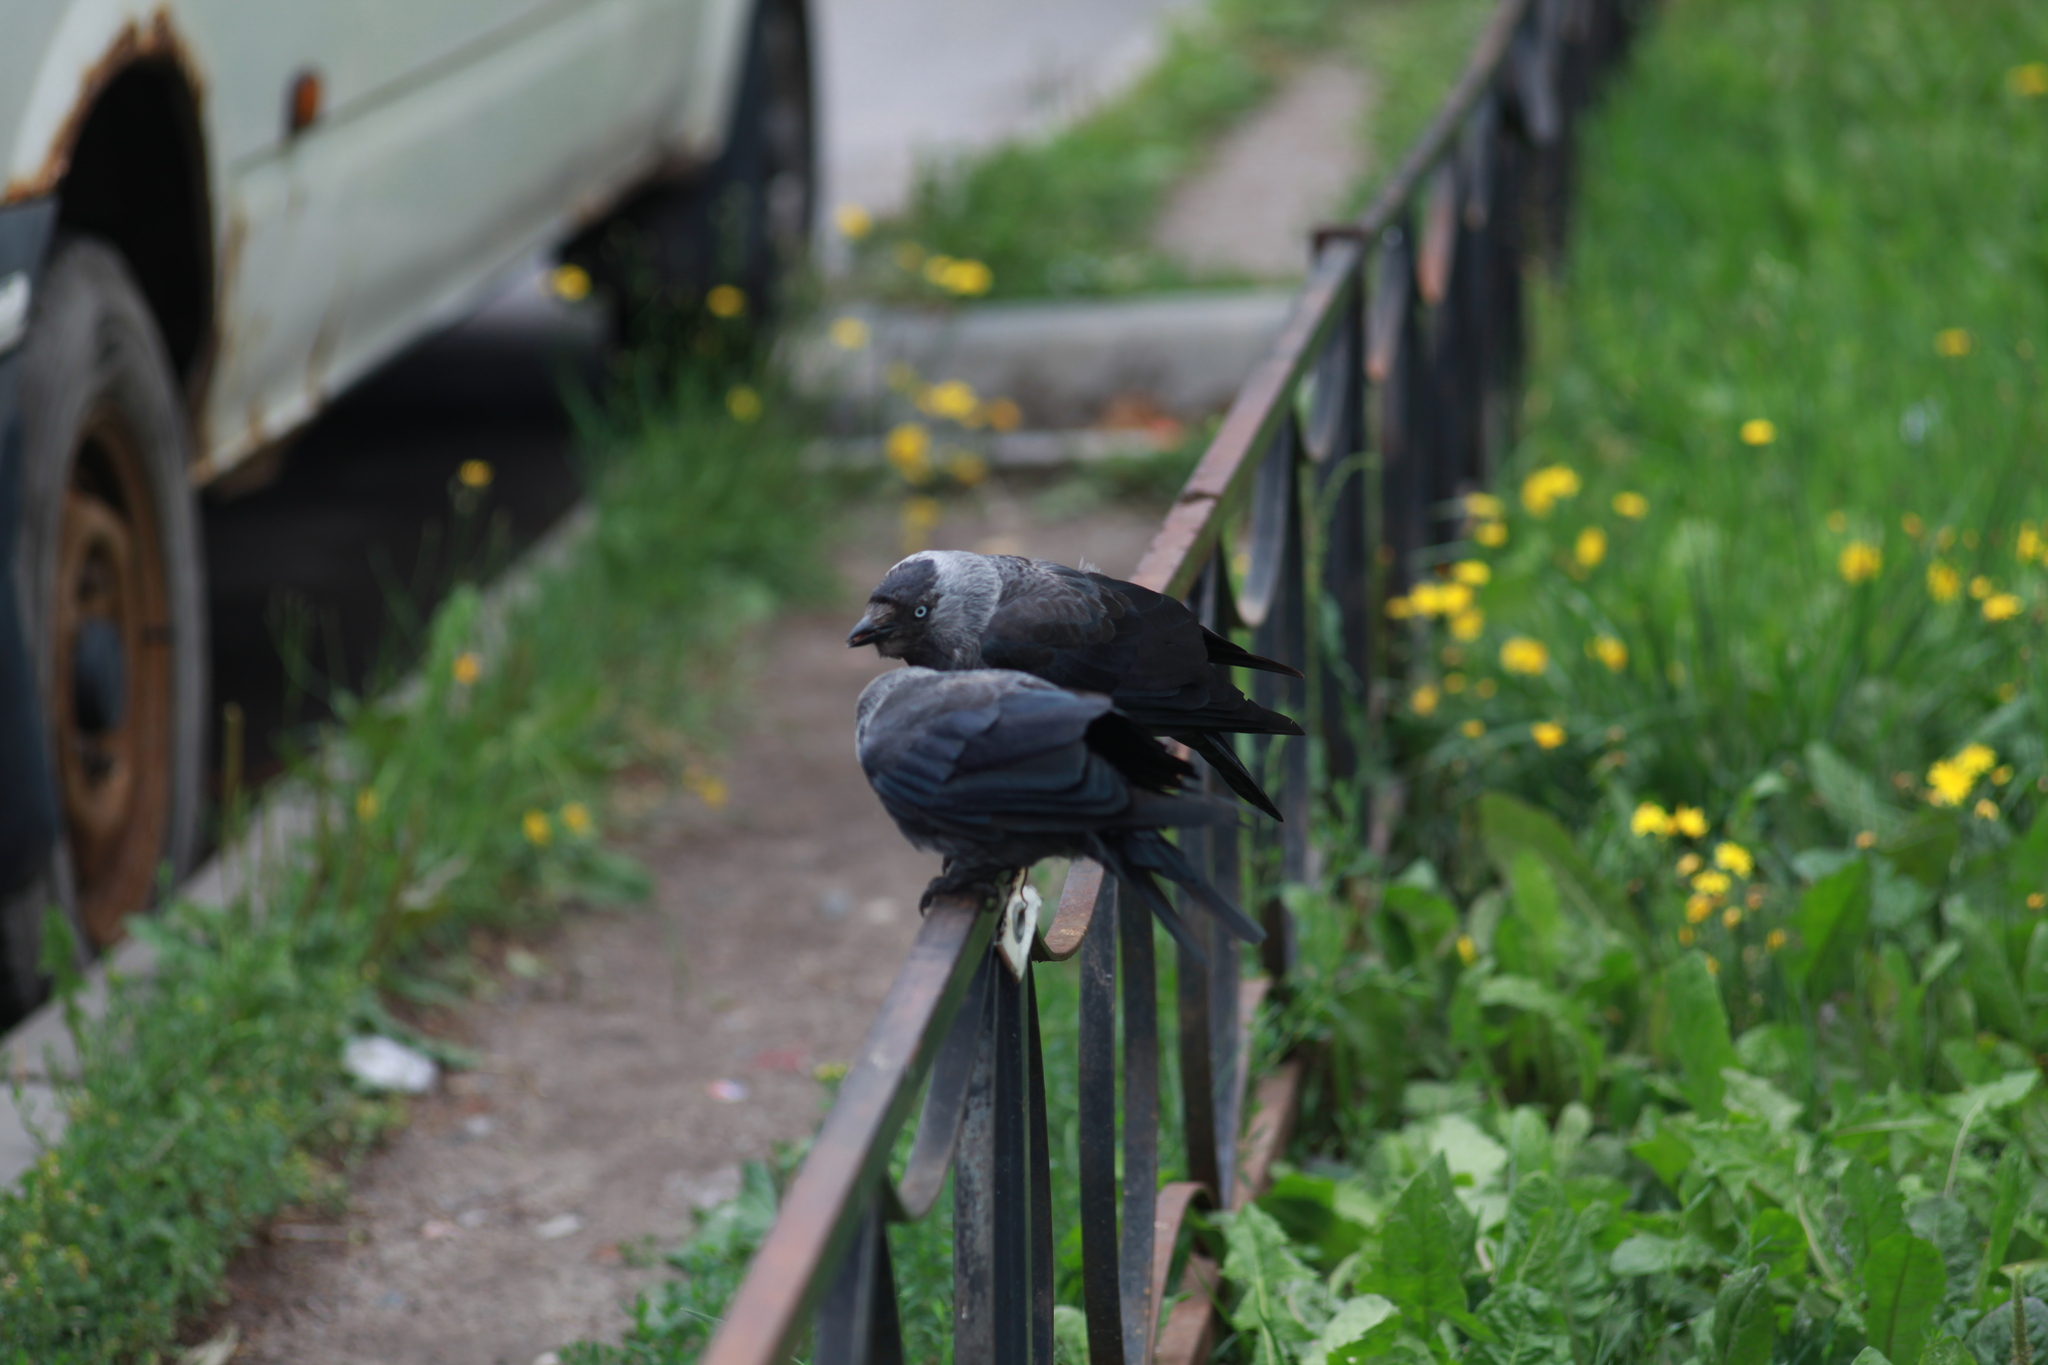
213,1095
1072,213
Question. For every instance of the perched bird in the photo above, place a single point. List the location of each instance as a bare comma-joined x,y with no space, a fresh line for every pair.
949,609
997,769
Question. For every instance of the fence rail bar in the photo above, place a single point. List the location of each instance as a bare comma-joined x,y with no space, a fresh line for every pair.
1410,316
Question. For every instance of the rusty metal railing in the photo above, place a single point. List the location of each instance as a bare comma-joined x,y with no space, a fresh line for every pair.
1410,323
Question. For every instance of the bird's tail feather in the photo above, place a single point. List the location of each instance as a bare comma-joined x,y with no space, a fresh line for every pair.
1230,654
1135,859
1217,752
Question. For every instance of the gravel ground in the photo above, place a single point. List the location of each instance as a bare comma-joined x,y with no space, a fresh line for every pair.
651,1051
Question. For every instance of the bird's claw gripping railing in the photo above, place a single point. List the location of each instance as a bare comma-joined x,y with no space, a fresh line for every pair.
1411,314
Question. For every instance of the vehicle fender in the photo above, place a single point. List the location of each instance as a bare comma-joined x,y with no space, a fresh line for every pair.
28,798
711,81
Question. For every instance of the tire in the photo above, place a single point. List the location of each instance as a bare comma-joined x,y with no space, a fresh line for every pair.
743,221
112,594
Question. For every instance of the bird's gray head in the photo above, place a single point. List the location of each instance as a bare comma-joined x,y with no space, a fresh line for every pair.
931,609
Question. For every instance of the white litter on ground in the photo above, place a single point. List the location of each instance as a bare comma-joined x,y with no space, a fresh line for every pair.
381,1063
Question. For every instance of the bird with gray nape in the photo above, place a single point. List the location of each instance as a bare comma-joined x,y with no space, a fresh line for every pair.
996,769
950,609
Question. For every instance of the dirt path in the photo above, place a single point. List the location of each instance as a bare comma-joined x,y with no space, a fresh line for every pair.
652,1051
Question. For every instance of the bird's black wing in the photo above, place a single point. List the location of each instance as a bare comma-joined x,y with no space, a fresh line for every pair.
1057,624
1182,637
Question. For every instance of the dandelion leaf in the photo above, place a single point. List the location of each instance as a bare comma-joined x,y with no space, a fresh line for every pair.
1262,1265
1904,1281
1745,1321
1359,1331
1526,1329
1426,1241
1699,1032
1508,826
1831,920
1855,799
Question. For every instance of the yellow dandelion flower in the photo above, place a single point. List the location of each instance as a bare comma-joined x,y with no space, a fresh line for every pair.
2028,80
743,403
1985,809
1688,864
1523,655
952,399
1423,700
475,473
2027,545
1944,582
1468,625
825,1073
1713,965
849,334
1976,759
1758,431
1634,506
1685,936
1484,507
1775,940
1982,587
1491,534
1004,415
1548,734
1548,486
1485,688
2003,606
1454,683
1866,838
908,450
569,283
367,805
1690,821
1609,651
1590,548
1400,608
710,789
1912,525
1472,729
1949,782
1649,818
1731,917
1468,951
576,818
1711,882
966,278
966,468
2037,900
467,668
1734,858
1473,573
1953,342
726,301
1859,562
853,221
2002,774
539,830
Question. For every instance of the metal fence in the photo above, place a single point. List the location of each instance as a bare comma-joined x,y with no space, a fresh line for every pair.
1409,326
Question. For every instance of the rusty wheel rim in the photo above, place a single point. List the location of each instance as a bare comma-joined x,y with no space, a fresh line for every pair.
111,685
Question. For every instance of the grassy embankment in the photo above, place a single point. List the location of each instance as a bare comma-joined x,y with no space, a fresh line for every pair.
213,1095
1702,1016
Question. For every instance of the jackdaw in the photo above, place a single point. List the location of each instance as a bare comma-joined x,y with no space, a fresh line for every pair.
949,609
996,769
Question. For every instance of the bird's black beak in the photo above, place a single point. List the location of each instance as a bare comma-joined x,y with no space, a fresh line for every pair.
872,627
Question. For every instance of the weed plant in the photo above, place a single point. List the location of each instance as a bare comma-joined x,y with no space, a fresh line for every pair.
212,1094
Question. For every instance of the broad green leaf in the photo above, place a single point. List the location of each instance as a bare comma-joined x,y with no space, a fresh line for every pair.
1357,1333
1259,1261
1745,1322
1875,1210
1646,1253
1904,1283
1425,1244
1466,1148
1530,1146
1924,847
1855,798
1988,970
1507,826
1830,921
1759,1099
1667,1153
2026,860
1870,1355
1537,912
1991,1341
1777,1243
1946,1350
1430,920
1699,1031
2034,977
2010,1193
1526,1329
1993,1096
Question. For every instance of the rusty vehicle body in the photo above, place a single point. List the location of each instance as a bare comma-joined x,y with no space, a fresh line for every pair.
295,192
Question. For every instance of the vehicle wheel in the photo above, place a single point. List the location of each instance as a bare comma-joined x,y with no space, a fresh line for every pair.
746,219
112,599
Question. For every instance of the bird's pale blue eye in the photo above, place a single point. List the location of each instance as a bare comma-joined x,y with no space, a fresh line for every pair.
920,612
